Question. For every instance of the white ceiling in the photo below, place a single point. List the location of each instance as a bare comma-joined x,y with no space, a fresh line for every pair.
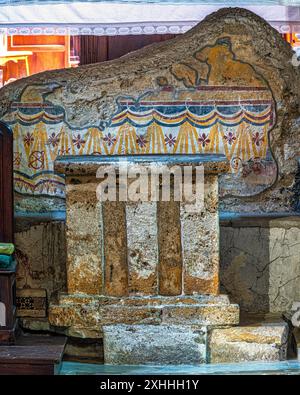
131,17
206,2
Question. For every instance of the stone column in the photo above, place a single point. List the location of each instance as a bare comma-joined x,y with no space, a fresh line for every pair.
83,236
200,243
142,247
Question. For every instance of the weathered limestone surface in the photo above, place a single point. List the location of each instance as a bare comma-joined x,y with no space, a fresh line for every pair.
150,344
249,343
84,350
142,247
213,315
87,165
260,263
35,324
40,251
88,94
200,238
165,238
200,234
296,334
236,280
88,97
90,313
170,248
83,236
114,247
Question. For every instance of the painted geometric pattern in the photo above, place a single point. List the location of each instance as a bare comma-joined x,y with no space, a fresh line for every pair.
237,129
222,106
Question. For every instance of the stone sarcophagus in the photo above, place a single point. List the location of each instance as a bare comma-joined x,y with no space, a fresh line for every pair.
148,261
144,274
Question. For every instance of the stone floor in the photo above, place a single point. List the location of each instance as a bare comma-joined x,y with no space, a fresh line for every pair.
291,367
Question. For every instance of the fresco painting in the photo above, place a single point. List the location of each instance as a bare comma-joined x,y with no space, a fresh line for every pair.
210,103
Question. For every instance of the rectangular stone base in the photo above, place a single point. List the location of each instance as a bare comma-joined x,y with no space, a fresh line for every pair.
85,315
154,344
265,342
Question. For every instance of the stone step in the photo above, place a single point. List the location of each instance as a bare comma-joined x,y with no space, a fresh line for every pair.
92,315
260,342
296,333
154,344
133,300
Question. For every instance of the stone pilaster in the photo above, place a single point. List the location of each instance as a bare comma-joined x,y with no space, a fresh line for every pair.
200,243
142,247
83,236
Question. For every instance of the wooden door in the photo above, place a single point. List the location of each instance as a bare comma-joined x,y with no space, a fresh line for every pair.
47,53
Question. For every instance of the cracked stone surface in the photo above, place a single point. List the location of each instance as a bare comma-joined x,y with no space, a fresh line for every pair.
88,94
86,315
260,267
40,251
150,344
249,343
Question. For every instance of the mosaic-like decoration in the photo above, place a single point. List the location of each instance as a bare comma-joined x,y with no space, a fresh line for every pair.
31,302
223,106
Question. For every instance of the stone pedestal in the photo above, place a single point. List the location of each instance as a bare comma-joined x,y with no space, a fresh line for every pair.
142,263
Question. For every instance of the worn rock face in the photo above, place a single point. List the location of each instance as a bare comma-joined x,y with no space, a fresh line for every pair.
240,264
225,61
164,99
154,266
142,247
83,238
260,263
165,344
104,238
85,316
40,250
249,343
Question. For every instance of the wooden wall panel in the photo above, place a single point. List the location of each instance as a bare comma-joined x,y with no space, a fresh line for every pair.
90,49
53,52
49,52
93,49
121,45
6,184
